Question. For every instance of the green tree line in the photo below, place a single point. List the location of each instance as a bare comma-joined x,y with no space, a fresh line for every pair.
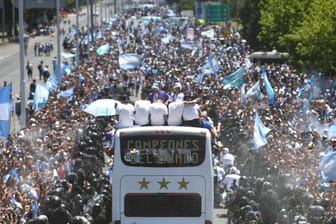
306,29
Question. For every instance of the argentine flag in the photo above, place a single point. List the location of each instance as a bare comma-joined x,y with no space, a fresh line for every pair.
129,61
104,49
260,132
5,107
41,96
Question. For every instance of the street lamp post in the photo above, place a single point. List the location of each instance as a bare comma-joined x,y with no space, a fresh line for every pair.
59,75
22,77
77,33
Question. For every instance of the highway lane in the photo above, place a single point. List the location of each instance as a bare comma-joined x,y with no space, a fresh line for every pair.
10,61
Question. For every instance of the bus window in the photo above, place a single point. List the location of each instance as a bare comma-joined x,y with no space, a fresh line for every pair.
169,150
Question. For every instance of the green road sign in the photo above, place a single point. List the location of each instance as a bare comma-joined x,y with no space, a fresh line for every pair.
217,12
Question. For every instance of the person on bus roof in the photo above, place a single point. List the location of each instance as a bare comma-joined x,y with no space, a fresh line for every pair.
125,113
156,93
158,113
141,111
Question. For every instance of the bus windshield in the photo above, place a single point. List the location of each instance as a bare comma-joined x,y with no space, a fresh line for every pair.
162,150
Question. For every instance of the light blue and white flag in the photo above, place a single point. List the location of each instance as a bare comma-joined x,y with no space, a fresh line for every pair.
254,91
234,79
103,49
268,86
260,132
12,173
51,83
66,93
41,96
129,61
5,108
167,39
328,166
332,130
211,66
325,153
198,79
247,63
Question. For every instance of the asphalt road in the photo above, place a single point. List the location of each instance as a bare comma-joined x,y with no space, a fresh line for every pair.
10,61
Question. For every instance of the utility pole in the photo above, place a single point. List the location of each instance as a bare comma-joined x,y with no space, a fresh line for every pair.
59,68
13,19
115,6
22,75
77,33
91,17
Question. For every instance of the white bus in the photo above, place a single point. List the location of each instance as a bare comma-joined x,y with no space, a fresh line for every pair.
162,174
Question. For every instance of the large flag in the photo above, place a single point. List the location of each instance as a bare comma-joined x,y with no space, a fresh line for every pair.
41,96
269,89
129,61
254,91
260,132
103,49
234,79
211,66
5,107
328,165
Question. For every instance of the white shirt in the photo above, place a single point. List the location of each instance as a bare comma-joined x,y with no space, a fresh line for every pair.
178,97
141,108
175,111
125,112
190,111
227,160
228,180
220,173
157,111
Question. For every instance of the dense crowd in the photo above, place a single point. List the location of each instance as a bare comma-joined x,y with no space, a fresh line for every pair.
55,170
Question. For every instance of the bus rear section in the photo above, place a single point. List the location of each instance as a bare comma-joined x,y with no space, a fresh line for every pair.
162,175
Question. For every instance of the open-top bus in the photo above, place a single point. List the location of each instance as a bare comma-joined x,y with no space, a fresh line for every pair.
162,174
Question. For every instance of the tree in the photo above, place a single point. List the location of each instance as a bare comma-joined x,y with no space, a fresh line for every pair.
313,41
304,28
249,15
278,18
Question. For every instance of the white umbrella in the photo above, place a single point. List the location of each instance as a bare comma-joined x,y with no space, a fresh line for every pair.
102,107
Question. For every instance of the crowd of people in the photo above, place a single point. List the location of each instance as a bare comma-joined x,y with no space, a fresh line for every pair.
54,170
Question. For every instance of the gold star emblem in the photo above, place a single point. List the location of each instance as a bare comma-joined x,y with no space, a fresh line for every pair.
143,183
163,183
183,184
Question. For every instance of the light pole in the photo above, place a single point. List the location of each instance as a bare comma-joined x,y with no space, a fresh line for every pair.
22,77
77,33
13,18
59,75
